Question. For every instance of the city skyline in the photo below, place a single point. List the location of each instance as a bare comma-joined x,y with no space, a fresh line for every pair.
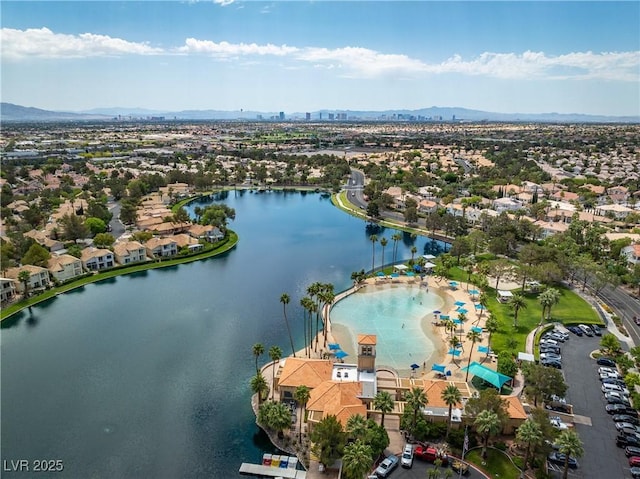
508,57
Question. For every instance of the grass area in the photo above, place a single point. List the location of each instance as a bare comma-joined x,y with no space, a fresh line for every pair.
497,463
53,292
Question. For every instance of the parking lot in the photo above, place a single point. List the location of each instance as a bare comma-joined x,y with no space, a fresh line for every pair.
419,471
602,458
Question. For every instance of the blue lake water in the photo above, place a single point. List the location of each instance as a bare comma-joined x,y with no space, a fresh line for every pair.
147,375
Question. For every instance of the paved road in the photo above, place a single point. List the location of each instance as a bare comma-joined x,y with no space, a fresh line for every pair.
626,307
117,228
419,471
602,458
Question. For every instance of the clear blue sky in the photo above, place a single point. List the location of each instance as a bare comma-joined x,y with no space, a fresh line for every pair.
297,56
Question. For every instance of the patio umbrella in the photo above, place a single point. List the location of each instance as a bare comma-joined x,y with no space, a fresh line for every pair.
453,283
334,346
480,306
455,352
483,349
476,329
474,292
394,275
380,273
341,354
410,273
459,303
414,366
462,310
444,317
457,321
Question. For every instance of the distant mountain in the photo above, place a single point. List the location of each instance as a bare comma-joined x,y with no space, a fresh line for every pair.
11,112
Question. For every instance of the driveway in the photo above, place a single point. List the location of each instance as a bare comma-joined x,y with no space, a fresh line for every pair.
419,471
602,458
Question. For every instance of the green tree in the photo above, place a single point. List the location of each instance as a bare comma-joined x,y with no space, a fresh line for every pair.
529,434
384,403
302,395
356,426
491,325
570,445
383,243
95,225
73,227
374,240
548,298
285,299
181,216
275,353
416,399
36,255
414,250
395,238
498,269
542,382
488,399
128,211
258,350
506,364
487,424
103,240
24,276
328,440
451,396
610,345
259,386
275,416
516,303
357,460
474,337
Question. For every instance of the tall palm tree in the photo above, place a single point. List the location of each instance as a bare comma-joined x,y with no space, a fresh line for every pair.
384,403
487,423
569,444
529,434
453,344
258,350
305,303
302,395
548,298
327,296
450,327
24,277
383,243
474,337
314,291
259,386
414,250
416,399
491,325
374,240
356,426
516,303
462,318
451,396
284,299
357,459
395,237
275,353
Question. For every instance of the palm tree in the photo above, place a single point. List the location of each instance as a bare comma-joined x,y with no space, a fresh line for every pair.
548,298
474,337
451,396
491,325
529,434
308,306
462,318
395,237
374,240
416,399
414,250
258,350
24,276
384,403
487,423
259,386
569,444
383,243
302,395
275,353
450,327
314,292
327,296
453,344
284,299
357,459
356,426
516,303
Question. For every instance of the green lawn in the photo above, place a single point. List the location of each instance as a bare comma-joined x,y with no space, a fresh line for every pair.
497,463
571,309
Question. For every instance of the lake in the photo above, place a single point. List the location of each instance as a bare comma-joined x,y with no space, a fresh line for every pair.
147,375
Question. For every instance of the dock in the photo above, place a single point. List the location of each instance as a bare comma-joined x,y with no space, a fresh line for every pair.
274,465
269,471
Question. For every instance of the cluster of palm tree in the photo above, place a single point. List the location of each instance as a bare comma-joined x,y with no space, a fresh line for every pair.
319,296
259,384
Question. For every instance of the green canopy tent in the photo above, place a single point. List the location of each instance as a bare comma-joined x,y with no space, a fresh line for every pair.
494,378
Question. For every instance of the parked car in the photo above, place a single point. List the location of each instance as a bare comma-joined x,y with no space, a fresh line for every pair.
634,461
575,330
626,418
550,349
613,375
564,334
617,398
560,458
552,363
624,440
596,330
619,382
407,456
607,369
635,472
554,337
586,330
430,454
606,362
558,407
558,423
386,466
620,409
608,387
620,426
631,451
550,356
549,341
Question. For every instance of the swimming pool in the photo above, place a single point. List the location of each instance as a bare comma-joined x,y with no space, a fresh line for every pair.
399,315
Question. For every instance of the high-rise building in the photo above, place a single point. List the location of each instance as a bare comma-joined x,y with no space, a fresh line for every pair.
308,116
331,116
281,115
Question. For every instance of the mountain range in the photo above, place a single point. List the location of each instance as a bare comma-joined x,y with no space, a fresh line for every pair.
10,112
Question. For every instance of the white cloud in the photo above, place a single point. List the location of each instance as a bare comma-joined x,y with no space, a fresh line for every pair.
223,3
348,61
228,50
43,43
